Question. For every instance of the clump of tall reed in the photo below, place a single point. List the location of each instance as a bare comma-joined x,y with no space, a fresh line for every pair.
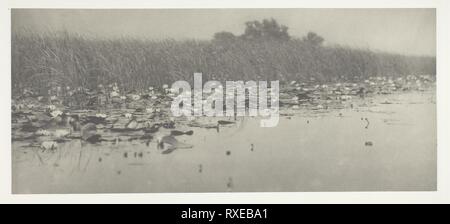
42,61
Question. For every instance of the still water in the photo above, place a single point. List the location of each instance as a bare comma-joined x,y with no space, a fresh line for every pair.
377,147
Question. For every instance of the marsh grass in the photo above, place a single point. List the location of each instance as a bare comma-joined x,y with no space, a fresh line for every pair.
43,61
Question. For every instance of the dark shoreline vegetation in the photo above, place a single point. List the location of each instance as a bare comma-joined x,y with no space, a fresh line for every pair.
43,62
265,51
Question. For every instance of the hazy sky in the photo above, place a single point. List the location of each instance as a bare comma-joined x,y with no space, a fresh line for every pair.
406,31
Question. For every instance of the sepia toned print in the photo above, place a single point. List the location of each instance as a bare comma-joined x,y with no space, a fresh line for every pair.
223,100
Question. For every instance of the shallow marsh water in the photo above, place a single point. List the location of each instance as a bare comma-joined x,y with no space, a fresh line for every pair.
309,150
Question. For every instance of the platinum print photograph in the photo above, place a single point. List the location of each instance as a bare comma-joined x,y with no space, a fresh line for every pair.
223,100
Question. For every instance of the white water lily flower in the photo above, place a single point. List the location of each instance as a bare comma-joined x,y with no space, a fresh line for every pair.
165,86
114,94
293,82
150,88
154,97
128,115
346,97
56,113
123,97
42,132
99,115
51,107
135,97
115,87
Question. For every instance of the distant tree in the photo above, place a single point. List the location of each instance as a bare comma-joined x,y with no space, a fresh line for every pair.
313,39
224,36
265,30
